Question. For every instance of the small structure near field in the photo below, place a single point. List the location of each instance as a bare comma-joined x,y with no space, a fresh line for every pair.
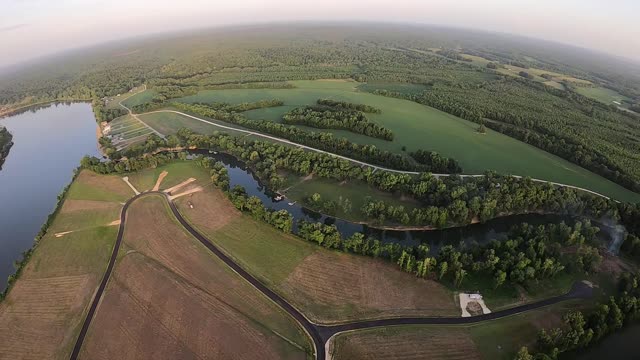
472,305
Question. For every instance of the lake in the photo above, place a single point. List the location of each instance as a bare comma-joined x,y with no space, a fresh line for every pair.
48,144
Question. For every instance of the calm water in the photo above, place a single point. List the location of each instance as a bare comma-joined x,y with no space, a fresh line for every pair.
48,144
622,345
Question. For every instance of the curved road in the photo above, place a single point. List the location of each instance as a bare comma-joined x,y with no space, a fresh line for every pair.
319,334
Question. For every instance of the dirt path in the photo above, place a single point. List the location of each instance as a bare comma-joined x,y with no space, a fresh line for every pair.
190,191
174,188
126,180
156,187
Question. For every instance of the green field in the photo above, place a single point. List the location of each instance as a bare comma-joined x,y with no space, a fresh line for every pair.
178,171
415,126
491,340
602,94
299,189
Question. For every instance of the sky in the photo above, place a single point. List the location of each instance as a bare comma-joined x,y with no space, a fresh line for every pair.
34,28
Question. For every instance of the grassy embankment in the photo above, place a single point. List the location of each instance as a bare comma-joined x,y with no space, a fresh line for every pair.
415,127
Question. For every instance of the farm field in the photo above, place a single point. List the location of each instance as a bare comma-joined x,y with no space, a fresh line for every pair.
327,286
406,343
169,297
416,126
494,340
44,310
602,94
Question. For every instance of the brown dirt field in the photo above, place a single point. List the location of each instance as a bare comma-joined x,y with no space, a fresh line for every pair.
169,298
80,205
38,316
211,209
332,287
406,343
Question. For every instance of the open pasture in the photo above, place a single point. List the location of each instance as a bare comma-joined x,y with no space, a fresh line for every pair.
415,127
602,94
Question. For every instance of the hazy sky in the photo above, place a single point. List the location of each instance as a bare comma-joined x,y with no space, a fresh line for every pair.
31,28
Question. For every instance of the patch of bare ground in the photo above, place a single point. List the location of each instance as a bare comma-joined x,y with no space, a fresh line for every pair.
211,209
474,308
334,287
406,343
171,299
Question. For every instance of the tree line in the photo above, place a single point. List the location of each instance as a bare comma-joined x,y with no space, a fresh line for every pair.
444,201
582,329
337,117
323,141
347,105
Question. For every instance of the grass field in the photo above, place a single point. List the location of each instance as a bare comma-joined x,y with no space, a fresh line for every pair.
406,343
43,312
602,94
501,339
327,286
178,171
169,298
415,126
299,189
491,340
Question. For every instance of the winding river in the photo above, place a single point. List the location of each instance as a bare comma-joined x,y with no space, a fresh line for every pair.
49,142
239,174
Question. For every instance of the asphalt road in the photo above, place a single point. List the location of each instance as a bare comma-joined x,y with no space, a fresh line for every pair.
319,334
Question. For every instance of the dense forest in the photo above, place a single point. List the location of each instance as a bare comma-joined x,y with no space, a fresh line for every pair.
578,129
5,144
596,136
337,116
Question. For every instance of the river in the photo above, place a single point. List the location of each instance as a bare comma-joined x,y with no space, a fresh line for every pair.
49,142
239,174
622,345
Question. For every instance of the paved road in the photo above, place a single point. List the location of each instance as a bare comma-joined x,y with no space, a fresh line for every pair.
319,334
